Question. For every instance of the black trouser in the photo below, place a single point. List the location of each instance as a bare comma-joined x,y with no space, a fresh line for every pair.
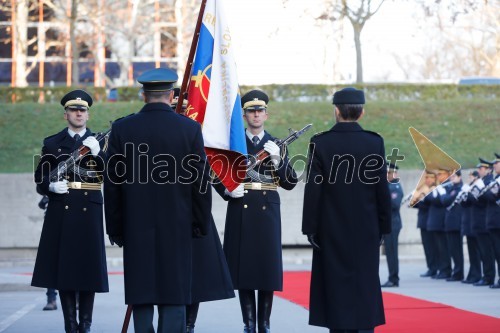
455,249
495,240
51,295
171,318
487,256
474,259
430,250
391,253
443,255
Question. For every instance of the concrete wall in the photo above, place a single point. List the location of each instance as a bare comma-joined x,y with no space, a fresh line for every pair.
21,220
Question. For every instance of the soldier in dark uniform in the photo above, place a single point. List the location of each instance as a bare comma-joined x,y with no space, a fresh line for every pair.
211,279
391,240
453,225
157,197
478,213
253,217
422,217
492,197
347,210
435,225
474,274
71,256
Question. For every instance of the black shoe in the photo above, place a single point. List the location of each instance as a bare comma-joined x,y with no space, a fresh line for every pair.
496,285
264,307
51,305
454,278
390,284
441,276
248,310
482,283
428,274
469,281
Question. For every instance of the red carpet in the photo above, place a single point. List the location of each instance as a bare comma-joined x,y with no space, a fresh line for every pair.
404,314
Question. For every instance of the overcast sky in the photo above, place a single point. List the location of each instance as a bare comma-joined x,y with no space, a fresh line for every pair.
278,45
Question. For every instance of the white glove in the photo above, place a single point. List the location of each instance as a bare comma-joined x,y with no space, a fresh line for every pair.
59,187
434,193
274,151
440,189
93,144
465,188
237,192
498,180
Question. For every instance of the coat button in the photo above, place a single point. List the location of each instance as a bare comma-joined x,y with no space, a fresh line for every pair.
245,191
264,193
66,207
245,206
84,209
59,150
85,193
263,207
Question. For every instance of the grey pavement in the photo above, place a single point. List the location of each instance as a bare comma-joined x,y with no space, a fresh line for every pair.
21,305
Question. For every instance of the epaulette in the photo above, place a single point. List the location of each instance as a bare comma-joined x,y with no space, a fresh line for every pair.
375,133
319,134
114,121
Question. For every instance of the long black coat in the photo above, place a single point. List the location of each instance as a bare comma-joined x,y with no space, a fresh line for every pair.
252,236
156,202
492,208
211,278
348,216
71,254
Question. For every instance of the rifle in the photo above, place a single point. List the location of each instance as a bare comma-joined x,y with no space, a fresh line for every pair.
461,196
256,159
69,165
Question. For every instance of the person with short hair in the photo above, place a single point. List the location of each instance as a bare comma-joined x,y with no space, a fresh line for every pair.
71,256
453,225
158,198
347,210
492,197
391,239
252,236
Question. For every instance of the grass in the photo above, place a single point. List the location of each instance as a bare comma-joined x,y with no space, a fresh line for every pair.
465,129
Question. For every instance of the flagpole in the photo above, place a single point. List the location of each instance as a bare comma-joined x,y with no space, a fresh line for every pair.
189,64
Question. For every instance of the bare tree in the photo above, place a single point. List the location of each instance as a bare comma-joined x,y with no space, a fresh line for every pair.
465,41
357,14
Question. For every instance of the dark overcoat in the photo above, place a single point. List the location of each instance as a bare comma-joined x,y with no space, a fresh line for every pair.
437,212
453,217
155,190
71,254
211,278
397,194
252,235
422,215
492,207
348,212
478,211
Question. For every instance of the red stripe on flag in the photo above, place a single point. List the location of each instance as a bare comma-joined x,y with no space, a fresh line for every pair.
228,165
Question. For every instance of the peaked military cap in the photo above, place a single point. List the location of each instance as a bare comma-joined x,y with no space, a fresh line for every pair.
77,100
349,96
484,163
254,100
497,158
158,79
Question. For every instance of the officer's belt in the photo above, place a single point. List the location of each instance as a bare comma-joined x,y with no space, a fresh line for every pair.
84,186
260,186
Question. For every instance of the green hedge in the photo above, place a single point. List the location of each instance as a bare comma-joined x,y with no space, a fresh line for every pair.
282,92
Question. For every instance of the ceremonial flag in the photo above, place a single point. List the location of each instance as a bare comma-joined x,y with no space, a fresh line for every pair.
214,99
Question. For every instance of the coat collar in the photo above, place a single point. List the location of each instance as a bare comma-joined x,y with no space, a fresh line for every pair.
65,140
156,107
347,127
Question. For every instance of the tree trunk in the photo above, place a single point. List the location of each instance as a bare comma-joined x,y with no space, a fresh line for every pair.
75,50
21,44
359,59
